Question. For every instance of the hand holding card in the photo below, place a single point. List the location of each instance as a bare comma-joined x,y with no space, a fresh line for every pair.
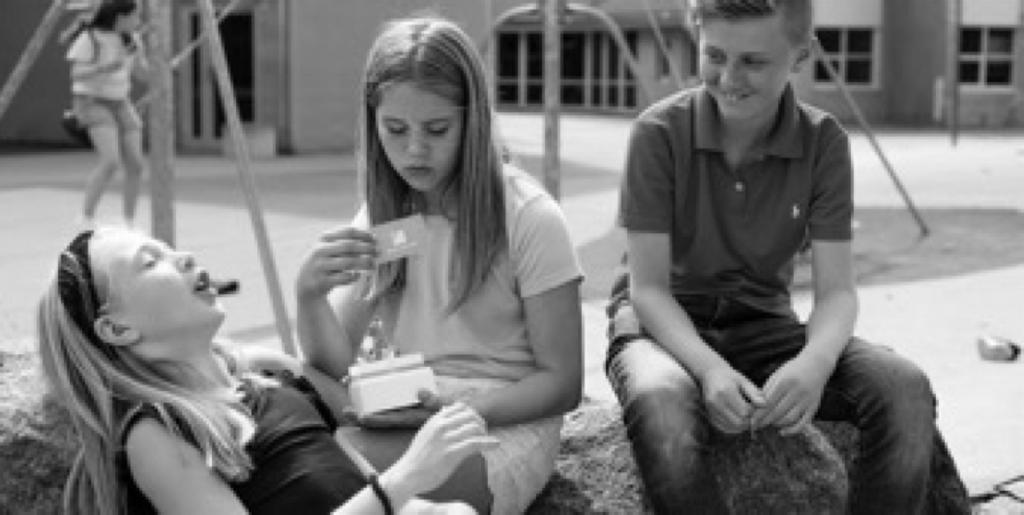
399,238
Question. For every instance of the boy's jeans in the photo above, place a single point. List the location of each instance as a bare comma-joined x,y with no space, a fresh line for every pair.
884,395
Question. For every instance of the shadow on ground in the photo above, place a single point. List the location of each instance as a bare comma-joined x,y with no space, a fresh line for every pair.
887,246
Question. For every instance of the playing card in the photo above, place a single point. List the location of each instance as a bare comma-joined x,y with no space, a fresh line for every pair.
399,238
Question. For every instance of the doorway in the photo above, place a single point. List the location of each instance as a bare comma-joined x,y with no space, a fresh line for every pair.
199,108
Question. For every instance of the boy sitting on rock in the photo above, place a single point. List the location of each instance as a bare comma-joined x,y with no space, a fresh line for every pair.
724,184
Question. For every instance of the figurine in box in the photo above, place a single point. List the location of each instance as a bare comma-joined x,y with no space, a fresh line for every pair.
384,381
390,383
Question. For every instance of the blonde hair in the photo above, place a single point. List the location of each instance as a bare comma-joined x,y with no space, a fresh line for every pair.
101,384
437,56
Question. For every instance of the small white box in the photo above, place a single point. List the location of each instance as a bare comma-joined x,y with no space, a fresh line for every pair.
389,383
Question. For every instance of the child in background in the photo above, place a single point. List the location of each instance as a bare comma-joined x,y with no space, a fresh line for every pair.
105,54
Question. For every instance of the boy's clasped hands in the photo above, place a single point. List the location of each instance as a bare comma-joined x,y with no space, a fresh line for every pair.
788,400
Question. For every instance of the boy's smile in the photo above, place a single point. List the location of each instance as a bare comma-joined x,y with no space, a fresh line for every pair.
745,65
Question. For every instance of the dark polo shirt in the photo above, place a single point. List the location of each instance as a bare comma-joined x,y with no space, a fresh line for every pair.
735,232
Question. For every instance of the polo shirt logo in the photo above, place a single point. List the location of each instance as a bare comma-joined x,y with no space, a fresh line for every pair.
796,211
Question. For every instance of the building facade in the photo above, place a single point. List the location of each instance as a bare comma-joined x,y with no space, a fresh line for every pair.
296,65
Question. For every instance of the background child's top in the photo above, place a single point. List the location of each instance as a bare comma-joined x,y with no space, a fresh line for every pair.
101,48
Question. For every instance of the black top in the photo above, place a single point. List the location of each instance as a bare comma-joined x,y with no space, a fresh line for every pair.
298,466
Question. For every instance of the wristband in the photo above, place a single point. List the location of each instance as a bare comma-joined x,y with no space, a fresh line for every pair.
381,494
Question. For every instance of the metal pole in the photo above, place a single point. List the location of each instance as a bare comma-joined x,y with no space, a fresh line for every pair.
244,165
501,19
186,52
663,44
955,13
194,44
552,94
819,54
160,116
620,41
684,8
489,63
609,24
690,30
29,55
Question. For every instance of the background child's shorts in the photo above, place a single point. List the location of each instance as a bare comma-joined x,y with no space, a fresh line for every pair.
520,466
93,111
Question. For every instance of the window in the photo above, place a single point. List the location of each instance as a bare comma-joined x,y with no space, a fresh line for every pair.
594,72
534,68
850,51
664,67
508,68
986,56
573,68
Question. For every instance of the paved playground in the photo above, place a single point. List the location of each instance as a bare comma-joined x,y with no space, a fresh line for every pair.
929,299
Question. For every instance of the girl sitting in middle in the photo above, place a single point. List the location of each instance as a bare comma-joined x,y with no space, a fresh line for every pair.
491,297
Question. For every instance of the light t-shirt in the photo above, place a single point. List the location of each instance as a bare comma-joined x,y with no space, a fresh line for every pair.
100,48
486,337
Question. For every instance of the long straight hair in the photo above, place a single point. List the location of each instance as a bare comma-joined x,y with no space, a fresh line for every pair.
435,55
99,386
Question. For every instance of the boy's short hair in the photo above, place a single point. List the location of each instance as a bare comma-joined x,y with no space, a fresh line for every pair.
798,14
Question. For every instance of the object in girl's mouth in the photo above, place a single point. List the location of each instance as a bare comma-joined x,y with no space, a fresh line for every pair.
389,383
225,286
399,238
995,348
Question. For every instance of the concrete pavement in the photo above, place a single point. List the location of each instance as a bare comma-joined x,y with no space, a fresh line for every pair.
932,321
